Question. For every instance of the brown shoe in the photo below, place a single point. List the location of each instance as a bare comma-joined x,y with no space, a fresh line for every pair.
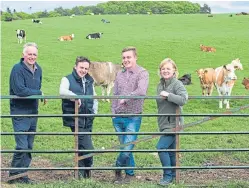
118,177
128,178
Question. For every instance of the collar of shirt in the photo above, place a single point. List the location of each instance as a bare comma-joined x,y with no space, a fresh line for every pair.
133,70
32,68
84,79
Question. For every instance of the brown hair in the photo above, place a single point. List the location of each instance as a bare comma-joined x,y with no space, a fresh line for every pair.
168,60
81,59
130,48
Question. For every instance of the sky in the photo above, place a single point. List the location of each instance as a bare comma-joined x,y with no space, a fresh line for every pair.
216,6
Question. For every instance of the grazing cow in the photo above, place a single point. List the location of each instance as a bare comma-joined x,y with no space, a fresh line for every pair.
245,82
94,36
21,35
66,38
206,77
104,75
185,79
36,21
105,21
207,48
8,19
244,13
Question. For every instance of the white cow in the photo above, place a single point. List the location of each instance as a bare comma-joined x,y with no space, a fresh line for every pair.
224,80
21,35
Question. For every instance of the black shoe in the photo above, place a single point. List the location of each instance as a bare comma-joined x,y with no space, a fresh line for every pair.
87,174
25,180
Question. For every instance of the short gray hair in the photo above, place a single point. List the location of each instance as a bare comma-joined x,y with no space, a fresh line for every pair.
29,44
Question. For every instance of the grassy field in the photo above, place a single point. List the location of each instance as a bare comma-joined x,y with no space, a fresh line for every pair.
155,37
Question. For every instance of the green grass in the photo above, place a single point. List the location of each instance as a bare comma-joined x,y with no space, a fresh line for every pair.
155,37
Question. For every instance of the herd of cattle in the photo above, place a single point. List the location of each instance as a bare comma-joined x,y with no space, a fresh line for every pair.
223,77
21,34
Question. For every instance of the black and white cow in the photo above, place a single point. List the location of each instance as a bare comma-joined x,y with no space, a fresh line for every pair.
36,21
105,21
21,35
94,36
185,79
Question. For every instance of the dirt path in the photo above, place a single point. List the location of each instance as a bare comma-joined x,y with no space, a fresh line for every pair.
196,177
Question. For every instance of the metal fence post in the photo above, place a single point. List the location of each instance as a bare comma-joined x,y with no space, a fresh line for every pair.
177,145
76,138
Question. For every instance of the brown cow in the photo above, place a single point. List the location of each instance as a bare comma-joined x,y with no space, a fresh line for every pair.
206,77
66,38
104,75
245,82
207,48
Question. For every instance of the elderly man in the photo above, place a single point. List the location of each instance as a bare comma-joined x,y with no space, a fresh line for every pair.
25,80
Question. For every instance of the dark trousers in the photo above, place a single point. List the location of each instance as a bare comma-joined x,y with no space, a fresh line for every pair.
84,142
23,142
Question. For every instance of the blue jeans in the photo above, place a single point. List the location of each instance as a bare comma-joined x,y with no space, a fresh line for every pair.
126,124
23,142
167,159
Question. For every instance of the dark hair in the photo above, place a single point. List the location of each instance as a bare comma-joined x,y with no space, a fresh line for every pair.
81,59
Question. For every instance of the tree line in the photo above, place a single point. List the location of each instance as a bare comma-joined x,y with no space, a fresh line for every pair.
114,7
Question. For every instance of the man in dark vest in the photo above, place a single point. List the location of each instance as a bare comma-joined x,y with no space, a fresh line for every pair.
80,83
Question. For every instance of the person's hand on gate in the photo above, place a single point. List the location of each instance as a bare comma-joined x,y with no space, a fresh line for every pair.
79,102
44,100
122,101
164,94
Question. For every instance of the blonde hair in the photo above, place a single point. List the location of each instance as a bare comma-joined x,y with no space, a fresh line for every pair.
168,60
130,48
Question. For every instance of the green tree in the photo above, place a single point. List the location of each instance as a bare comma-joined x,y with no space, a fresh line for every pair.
53,14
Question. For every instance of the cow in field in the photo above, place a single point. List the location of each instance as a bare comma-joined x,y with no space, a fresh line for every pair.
105,21
104,75
206,77
21,35
207,48
94,36
36,21
66,38
185,79
245,82
224,80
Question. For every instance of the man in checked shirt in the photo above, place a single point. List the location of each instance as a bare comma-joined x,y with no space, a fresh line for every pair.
133,81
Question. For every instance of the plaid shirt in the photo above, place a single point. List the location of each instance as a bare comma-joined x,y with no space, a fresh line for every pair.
130,83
